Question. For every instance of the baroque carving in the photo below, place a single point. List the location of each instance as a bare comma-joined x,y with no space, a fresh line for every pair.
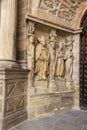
42,58
65,9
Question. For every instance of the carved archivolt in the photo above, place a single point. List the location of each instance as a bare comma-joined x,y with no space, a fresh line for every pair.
65,9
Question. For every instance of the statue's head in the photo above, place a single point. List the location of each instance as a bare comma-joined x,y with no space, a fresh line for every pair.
53,35
52,44
42,40
60,45
31,38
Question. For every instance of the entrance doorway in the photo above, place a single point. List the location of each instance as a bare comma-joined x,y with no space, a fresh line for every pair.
83,64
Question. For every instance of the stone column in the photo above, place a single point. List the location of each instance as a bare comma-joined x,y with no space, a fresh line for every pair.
8,33
76,66
13,81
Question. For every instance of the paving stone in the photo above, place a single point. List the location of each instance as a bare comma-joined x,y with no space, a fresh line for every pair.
73,120
65,125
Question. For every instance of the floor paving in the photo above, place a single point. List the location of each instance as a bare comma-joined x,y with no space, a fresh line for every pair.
73,120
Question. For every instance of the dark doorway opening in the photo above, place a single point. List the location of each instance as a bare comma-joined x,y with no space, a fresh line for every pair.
83,64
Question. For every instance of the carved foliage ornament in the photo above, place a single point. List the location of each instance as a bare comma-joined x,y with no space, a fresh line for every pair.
65,9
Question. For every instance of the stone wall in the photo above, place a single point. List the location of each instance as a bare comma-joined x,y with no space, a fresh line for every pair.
42,27
13,94
50,103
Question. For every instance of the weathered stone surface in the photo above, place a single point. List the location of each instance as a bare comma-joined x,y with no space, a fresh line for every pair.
39,37
65,121
13,97
44,104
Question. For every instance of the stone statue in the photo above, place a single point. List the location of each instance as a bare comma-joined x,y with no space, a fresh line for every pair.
60,61
52,55
68,62
31,28
42,58
30,54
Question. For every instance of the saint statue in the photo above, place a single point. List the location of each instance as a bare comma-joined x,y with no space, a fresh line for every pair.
60,61
30,54
68,62
42,58
52,55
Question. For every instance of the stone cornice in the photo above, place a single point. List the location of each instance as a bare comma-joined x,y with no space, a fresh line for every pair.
46,22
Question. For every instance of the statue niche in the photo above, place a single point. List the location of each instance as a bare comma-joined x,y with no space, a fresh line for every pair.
42,58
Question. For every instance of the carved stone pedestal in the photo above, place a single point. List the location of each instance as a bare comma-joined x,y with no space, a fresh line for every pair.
41,86
61,84
13,94
50,103
52,86
69,85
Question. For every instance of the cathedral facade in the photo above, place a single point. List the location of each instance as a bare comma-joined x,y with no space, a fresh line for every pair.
43,58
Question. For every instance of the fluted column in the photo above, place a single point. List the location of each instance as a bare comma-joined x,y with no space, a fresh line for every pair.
8,33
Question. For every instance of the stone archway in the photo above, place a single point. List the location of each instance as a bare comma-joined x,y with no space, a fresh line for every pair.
83,63
81,11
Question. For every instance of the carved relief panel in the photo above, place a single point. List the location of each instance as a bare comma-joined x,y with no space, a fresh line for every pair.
50,57
64,9
50,6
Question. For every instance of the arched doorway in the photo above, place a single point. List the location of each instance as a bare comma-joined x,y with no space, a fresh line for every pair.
83,64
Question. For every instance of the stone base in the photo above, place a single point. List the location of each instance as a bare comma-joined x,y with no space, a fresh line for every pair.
13,97
50,103
41,86
13,120
69,85
52,86
61,85
31,90
8,63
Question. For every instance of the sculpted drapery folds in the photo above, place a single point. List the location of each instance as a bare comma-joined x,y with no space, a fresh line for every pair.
42,58
31,49
60,60
68,62
52,55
